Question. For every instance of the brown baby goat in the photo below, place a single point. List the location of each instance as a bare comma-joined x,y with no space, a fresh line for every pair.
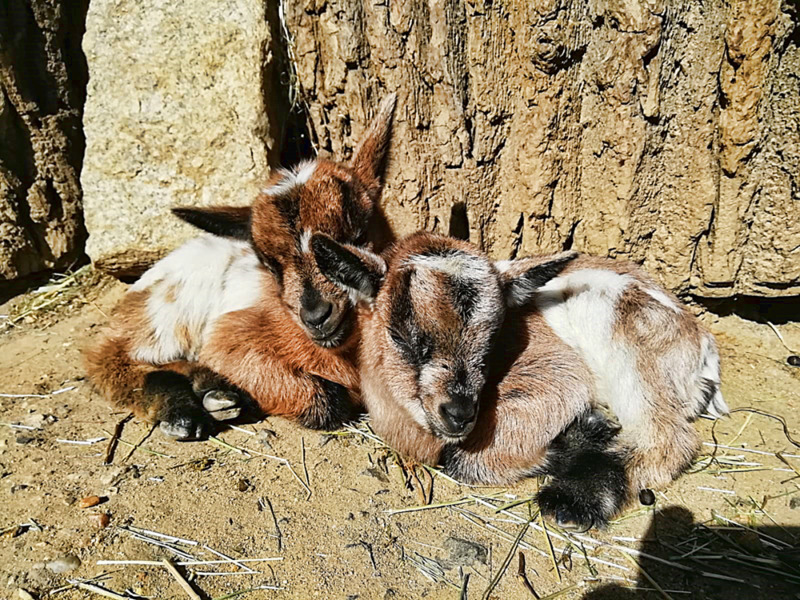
245,309
495,370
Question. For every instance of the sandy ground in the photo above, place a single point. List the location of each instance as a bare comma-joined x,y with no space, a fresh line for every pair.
341,540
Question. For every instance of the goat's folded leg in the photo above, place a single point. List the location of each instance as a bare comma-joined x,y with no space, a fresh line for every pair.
589,483
167,394
223,400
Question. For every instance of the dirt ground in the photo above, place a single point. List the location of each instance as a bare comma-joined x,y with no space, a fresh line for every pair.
728,531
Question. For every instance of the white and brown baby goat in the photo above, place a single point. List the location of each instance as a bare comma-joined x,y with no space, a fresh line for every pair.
496,369
245,309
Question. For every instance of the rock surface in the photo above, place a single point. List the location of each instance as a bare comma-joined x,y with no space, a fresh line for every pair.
183,108
665,132
42,90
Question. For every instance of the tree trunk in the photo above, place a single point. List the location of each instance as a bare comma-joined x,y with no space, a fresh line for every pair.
42,90
665,132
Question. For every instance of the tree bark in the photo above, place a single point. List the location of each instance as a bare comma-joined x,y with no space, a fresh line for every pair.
42,90
667,132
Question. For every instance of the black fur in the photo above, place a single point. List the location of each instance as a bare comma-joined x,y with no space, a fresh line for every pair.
343,267
223,221
270,262
520,290
448,459
414,344
709,388
589,484
333,406
179,409
465,297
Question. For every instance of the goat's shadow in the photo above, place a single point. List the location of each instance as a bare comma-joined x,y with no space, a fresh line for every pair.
716,561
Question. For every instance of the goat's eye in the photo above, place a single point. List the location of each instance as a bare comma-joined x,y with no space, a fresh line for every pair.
415,346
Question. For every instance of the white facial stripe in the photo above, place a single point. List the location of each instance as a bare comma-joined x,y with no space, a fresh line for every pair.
460,265
428,375
305,241
292,179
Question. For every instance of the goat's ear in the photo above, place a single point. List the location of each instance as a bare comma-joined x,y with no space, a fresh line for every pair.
372,153
523,278
355,270
224,221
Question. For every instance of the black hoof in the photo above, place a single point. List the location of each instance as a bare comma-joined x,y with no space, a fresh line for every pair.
186,421
223,405
571,509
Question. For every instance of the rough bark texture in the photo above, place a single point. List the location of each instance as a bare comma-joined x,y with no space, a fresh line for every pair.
663,131
42,90
184,107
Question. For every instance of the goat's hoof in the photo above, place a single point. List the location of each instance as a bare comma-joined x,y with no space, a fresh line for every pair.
570,510
185,422
222,405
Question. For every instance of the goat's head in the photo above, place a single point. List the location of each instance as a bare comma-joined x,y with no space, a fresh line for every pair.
437,305
319,196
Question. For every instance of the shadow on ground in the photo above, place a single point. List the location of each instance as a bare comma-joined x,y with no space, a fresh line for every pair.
727,561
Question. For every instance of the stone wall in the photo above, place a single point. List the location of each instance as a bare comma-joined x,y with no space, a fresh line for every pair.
184,107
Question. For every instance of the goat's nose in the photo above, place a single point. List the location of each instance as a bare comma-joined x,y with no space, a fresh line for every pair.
314,309
459,414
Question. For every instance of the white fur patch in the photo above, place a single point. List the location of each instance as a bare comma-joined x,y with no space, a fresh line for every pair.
305,241
293,178
710,371
191,288
460,265
661,297
469,269
304,171
580,307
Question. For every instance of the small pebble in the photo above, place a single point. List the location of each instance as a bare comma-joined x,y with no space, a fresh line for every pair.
793,360
24,595
63,564
89,501
647,497
100,520
794,503
26,438
465,553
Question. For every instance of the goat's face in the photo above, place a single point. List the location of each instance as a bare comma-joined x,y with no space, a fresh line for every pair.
319,196
437,305
441,307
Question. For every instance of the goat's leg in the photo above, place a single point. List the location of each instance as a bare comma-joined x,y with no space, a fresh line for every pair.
158,393
236,351
589,482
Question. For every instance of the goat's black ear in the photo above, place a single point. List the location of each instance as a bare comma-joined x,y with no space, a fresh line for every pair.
355,270
224,221
521,281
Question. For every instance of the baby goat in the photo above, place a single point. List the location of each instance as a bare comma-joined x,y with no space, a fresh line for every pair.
245,309
495,369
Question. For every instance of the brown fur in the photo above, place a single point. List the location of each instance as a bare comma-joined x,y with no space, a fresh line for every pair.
267,350
537,385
